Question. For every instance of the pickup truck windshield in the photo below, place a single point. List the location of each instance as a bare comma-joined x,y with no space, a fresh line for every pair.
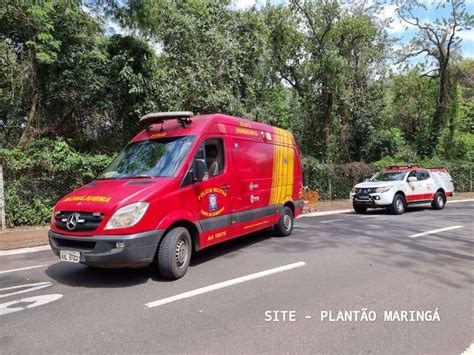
149,158
388,176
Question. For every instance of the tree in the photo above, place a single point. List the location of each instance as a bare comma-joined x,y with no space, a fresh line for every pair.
329,58
38,33
438,40
413,113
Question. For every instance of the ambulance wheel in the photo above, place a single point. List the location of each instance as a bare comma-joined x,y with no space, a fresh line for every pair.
439,201
359,209
398,205
285,224
174,253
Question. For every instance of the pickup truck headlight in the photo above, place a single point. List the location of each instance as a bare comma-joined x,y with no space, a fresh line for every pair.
382,189
127,216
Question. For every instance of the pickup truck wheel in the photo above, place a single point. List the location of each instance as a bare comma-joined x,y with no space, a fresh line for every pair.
359,209
439,201
285,224
398,205
174,253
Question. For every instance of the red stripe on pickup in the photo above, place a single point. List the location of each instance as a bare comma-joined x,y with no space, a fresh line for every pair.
419,197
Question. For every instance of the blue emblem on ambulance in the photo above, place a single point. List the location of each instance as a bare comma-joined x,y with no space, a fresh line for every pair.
212,202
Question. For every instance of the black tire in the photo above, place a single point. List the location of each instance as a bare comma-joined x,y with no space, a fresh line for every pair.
285,224
439,201
359,209
174,253
398,205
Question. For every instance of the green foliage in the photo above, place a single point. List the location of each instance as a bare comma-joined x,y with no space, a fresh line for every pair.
387,142
412,113
37,177
334,181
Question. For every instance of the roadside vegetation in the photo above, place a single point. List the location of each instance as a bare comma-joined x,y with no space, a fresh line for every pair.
72,88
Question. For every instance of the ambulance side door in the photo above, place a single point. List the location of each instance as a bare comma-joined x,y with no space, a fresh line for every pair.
413,187
426,184
253,169
213,192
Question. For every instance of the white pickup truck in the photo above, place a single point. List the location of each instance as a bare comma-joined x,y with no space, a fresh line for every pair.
396,187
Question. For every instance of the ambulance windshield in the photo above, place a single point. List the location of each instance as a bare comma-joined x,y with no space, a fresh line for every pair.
388,176
149,158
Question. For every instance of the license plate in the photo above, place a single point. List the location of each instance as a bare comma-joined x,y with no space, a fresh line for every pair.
363,197
70,256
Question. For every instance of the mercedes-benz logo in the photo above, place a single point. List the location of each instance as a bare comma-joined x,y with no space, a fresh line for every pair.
72,221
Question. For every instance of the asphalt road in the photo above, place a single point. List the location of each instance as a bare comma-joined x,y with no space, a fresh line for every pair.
351,262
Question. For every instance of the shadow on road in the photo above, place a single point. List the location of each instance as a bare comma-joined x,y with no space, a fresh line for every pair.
78,275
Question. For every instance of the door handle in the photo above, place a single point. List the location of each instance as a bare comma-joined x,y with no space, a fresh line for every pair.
225,187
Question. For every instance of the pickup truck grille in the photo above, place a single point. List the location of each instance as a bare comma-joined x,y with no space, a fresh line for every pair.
86,221
369,190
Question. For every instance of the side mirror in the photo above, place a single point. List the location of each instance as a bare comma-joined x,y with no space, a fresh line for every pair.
412,178
200,172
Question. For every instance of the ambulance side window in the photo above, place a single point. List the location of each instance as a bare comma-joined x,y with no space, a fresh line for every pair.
422,175
214,155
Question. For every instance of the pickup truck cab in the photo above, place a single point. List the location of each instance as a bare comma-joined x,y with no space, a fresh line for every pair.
396,187
182,184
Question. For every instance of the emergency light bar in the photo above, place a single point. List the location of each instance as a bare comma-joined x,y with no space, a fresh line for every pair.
401,166
182,117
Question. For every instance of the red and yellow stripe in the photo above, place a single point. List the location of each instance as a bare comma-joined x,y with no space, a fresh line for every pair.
283,167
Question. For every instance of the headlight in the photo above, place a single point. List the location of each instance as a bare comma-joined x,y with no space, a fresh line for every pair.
382,189
127,216
53,216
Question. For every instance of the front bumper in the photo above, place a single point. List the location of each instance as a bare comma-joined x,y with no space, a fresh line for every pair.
373,200
101,251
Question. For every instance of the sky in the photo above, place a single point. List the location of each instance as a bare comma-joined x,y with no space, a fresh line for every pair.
398,28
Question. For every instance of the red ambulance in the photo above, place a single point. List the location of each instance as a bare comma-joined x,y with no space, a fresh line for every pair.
182,184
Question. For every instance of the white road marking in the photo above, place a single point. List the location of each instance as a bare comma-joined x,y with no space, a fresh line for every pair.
224,284
6,308
332,220
29,288
434,231
469,350
22,268
327,213
24,250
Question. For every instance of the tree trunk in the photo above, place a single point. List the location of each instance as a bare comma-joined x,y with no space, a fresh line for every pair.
441,105
328,102
28,132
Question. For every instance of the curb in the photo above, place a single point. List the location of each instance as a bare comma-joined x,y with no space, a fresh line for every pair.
457,201
312,214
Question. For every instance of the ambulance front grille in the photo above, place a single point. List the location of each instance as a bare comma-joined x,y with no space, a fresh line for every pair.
87,221
366,190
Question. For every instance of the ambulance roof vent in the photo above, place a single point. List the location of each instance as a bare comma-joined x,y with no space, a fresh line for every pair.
182,117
